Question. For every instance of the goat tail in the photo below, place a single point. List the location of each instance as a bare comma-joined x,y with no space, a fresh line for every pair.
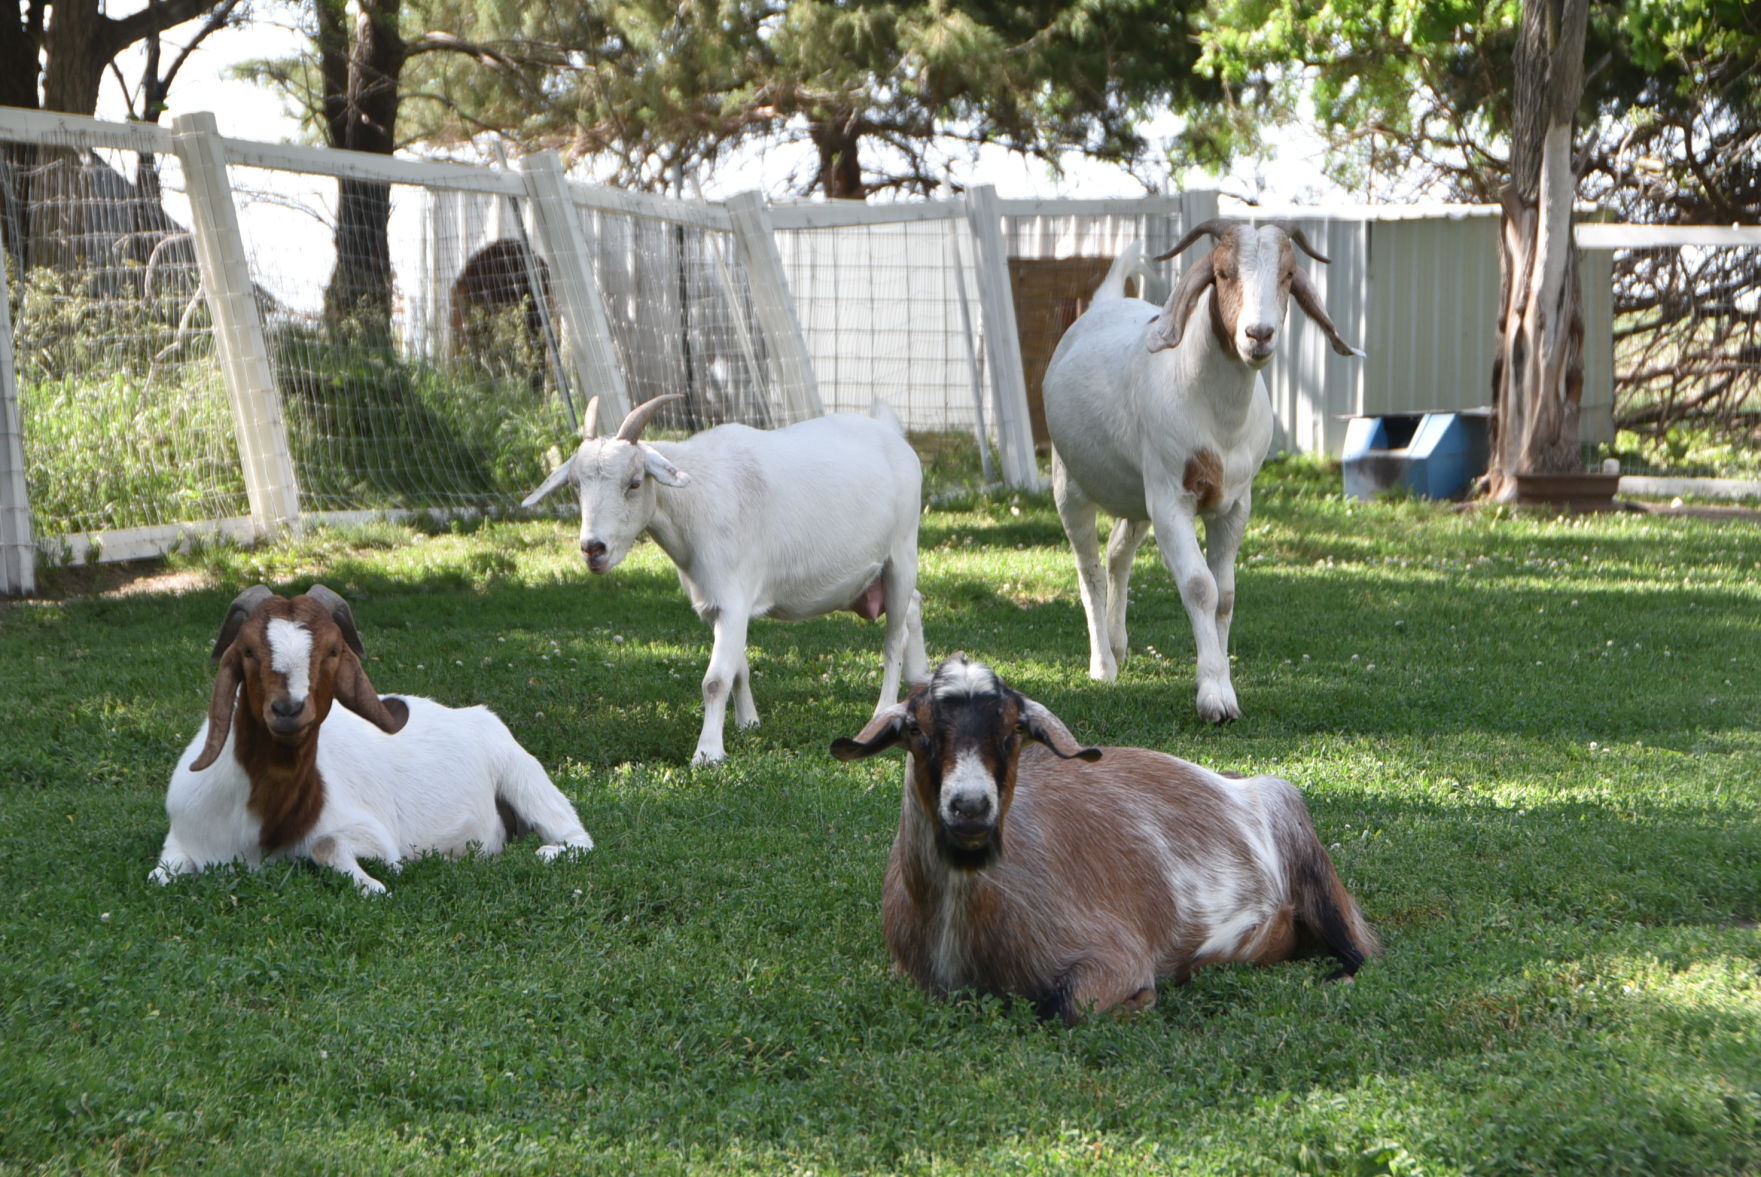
1328,913
1129,262
881,411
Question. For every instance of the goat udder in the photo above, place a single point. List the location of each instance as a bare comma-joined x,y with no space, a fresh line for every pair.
873,601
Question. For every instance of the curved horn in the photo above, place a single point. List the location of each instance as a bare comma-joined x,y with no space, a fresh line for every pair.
1216,227
637,421
590,420
1167,331
1296,235
339,613
243,605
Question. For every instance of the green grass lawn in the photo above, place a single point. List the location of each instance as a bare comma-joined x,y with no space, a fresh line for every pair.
1531,742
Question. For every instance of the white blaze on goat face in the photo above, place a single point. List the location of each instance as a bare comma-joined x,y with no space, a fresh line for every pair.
969,791
290,655
1260,262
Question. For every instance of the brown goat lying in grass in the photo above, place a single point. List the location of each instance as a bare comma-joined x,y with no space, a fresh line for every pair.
1078,877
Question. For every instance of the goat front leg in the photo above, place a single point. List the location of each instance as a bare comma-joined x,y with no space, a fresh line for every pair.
1223,534
1177,536
726,660
1093,987
1122,545
1077,514
174,860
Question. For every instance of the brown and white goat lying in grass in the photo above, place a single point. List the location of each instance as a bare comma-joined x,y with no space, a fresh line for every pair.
1078,877
390,778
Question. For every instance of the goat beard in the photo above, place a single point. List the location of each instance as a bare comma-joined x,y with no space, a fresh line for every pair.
968,856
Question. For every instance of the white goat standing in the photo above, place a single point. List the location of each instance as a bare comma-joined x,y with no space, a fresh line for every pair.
794,523
1160,417
390,778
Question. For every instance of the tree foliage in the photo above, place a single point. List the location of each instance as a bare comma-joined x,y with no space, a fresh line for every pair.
656,91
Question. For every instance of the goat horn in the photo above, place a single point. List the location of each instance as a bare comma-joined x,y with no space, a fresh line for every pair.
1296,235
340,613
243,605
1216,227
637,421
590,421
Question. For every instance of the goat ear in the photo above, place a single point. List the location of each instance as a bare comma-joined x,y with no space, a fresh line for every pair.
661,470
1310,301
220,705
340,613
243,605
882,732
354,691
1037,723
1167,331
557,477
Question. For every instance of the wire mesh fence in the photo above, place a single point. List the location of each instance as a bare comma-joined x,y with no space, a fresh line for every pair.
209,331
125,419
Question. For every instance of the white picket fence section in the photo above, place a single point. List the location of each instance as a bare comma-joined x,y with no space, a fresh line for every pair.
762,312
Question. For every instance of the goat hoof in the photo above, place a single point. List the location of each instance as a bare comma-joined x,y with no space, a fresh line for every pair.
706,756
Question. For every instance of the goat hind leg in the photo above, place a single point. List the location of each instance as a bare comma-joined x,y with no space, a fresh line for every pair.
902,648
540,806
1077,514
1122,545
1115,987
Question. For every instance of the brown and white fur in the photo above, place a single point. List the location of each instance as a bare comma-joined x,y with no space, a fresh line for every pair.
1027,865
1159,416
390,778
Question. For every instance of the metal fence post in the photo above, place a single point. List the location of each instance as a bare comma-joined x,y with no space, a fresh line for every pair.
18,553
774,306
567,247
1002,340
257,415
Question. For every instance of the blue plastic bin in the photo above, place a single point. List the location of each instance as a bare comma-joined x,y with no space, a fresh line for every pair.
1436,455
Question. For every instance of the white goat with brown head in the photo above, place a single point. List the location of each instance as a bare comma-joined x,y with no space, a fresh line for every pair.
793,523
1027,865
1159,416
390,777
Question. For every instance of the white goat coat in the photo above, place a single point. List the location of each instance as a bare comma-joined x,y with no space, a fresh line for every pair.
430,787
790,523
1126,419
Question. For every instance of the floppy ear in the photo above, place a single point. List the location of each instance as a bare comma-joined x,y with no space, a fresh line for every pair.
1167,331
557,477
1037,723
661,470
220,704
882,732
354,691
1310,301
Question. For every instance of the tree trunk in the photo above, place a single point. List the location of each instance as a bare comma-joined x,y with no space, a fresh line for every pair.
360,77
1538,373
840,162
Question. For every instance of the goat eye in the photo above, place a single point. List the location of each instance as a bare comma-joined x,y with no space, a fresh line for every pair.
635,485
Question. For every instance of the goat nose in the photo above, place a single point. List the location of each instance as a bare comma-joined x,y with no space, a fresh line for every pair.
287,708
1260,332
592,547
969,806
